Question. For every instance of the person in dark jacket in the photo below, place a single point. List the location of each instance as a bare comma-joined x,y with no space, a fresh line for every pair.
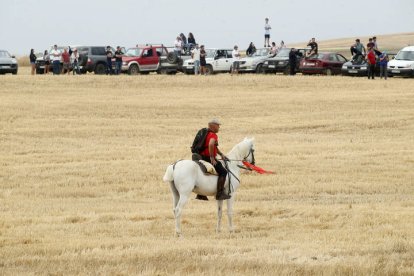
292,61
191,41
251,49
33,58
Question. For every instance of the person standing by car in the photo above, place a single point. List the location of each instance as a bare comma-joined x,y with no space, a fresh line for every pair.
203,62
195,55
267,28
109,55
371,59
383,62
56,54
74,60
33,58
46,58
292,61
66,61
236,63
118,60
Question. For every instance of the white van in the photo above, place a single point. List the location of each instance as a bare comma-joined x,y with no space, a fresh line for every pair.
403,63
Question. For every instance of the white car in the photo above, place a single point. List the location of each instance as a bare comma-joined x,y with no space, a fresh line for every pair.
218,60
403,63
254,62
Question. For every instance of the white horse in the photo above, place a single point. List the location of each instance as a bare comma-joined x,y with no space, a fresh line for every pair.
185,176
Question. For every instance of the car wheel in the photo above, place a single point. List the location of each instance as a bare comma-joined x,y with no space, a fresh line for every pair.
172,57
100,69
14,72
133,69
259,69
287,70
209,70
328,72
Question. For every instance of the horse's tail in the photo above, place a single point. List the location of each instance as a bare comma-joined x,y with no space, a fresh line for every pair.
168,176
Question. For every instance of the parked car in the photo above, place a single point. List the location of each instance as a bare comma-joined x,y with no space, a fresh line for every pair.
93,59
148,58
325,63
218,60
280,63
360,67
254,62
8,63
403,63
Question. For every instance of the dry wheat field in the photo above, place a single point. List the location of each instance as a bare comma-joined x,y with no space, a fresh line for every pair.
82,160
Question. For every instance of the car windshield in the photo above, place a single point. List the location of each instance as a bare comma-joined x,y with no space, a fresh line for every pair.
133,52
261,53
405,55
210,53
4,54
283,52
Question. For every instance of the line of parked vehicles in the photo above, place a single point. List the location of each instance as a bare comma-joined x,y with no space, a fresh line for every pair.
144,59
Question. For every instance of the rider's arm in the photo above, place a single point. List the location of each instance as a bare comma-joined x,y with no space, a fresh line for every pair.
211,146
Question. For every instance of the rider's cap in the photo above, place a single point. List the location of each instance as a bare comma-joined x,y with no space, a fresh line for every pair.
215,121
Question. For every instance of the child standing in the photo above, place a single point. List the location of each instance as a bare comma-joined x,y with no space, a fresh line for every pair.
383,62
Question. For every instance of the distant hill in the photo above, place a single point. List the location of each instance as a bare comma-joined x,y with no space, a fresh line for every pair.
390,43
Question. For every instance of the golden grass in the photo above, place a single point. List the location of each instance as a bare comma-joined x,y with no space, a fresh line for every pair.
82,157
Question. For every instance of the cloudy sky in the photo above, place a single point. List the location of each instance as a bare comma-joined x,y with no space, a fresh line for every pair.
38,24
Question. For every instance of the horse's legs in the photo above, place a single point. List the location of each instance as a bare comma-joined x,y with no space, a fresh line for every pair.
176,195
230,212
219,215
177,212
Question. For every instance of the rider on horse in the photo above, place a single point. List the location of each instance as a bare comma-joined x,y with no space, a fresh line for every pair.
209,154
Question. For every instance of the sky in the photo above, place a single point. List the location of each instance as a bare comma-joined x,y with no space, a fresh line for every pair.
37,24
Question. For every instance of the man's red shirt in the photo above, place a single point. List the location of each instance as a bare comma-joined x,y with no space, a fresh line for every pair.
371,57
210,135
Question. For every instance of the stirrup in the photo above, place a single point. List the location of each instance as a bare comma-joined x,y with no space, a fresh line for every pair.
223,196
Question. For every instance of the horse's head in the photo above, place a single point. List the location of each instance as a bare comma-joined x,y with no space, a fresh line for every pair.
248,150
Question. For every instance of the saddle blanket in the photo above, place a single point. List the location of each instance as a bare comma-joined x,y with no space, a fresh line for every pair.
206,167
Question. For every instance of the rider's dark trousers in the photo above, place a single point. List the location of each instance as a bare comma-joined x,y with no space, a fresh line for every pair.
219,167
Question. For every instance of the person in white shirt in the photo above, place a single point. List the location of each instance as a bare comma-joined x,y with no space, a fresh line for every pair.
267,32
236,63
178,45
74,60
56,55
195,55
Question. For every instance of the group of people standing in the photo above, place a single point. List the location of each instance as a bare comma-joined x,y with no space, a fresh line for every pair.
69,58
358,53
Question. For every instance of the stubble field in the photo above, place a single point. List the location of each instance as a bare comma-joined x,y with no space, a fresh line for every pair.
82,160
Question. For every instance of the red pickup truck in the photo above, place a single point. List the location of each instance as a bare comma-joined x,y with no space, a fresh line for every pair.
146,59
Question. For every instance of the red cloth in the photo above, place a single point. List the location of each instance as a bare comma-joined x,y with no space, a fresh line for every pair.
210,135
66,57
371,57
256,169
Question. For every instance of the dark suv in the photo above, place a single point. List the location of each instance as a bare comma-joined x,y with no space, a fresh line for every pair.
93,59
280,63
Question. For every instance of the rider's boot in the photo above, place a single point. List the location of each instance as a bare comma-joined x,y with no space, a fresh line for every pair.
221,195
201,197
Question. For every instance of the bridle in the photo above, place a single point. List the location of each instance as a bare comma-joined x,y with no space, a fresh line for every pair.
251,152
